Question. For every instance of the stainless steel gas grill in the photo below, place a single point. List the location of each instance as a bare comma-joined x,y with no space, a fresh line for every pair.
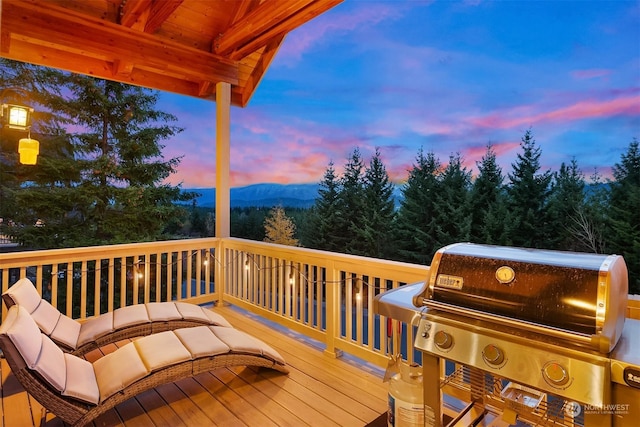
522,336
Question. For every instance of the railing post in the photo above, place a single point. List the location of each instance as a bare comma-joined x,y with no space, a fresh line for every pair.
219,278
332,309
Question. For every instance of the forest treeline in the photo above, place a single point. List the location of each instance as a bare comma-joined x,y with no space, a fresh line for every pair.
442,203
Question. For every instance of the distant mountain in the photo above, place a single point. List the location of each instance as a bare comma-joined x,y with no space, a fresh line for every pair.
295,195
263,195
269,195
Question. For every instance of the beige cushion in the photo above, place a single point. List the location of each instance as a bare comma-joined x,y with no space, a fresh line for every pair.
163,311
81,380
195,312
201,341
117,370
66,332
95,327
215,318
241,342
160,350
24,333
46,316
129,316
25,294
191,312
51,365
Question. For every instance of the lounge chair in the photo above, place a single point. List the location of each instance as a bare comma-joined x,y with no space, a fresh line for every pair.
126,322
78,391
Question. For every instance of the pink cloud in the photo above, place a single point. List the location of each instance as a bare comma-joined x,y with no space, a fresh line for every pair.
580,110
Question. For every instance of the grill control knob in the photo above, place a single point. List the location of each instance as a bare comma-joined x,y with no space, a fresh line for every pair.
493,354
443,340
555,374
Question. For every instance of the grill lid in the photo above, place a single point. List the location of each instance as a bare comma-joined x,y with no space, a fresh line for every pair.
546,291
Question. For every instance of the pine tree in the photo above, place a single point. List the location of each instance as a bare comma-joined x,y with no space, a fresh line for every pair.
103,183
528,195
349,215
565,201
453,219
624,213
486,201
375,235
322,220
279,228
416,223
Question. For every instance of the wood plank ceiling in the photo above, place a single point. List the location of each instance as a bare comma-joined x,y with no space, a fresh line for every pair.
181,46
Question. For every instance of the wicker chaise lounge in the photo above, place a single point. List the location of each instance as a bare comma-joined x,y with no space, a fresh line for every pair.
125,322
78,391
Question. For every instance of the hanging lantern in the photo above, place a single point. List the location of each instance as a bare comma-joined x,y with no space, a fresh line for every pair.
28,149
16,116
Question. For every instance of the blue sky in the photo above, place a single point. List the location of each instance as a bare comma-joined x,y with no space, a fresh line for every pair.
447,76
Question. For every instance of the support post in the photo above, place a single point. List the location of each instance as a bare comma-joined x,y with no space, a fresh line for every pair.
223,188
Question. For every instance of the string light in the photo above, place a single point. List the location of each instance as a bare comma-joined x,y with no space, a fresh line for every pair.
138,266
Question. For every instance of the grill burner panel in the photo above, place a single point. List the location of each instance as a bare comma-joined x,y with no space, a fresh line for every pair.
570,373
577,296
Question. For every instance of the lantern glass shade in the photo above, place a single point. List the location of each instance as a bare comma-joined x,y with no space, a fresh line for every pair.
17,116
28,149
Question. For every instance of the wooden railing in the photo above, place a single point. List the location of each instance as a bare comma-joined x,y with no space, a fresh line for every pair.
84,282
633,307
325,296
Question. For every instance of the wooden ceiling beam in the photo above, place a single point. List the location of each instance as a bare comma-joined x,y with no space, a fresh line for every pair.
160,11
27,52
261,67
132,13
147,15
46,25
270,19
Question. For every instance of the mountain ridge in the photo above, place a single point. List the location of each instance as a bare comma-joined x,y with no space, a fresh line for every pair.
262,195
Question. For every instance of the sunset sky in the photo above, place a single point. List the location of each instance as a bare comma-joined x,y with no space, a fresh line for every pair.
447,76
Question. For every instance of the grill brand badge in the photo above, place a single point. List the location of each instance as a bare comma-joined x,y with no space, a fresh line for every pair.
451,282
632,377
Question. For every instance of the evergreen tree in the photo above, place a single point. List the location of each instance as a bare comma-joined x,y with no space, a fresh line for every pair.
279,228
624,213
565,201
489,222
453,219
498,227
528,195
197,220
351,203
319,231
375,236
415,223
105,185
248,223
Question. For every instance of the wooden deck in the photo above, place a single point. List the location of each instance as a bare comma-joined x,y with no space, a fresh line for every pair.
319,391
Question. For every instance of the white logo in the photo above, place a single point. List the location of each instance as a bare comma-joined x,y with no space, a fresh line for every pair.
572,409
